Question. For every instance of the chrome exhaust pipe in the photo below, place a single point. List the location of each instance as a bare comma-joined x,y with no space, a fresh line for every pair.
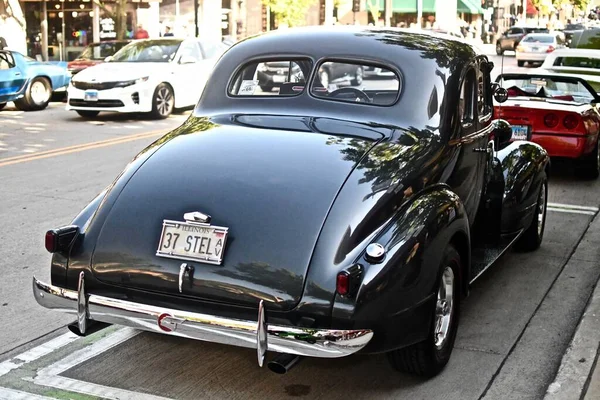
283,363
92,326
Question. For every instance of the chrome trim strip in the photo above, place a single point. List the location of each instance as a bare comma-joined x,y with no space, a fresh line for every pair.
310,342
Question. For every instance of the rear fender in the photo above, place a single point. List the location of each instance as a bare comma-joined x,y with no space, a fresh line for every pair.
524,165
395,297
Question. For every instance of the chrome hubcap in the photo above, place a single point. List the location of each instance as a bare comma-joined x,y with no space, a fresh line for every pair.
324,79
541,210
39,92
164,101
444,308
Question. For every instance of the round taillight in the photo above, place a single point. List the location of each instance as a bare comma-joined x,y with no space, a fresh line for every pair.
570,122
551,120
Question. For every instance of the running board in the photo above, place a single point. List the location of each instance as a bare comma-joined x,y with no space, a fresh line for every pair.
484,256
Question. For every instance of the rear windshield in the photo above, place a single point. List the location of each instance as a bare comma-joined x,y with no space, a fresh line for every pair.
539,30
538,39
345,81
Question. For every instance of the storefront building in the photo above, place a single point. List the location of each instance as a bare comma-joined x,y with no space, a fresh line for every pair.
60,30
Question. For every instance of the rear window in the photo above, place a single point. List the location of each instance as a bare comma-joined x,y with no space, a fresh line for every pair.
278,77
538,30
538,38
356,83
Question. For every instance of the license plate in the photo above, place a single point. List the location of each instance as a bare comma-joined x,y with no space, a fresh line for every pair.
519,132
90,95
534,49
279,78
192,241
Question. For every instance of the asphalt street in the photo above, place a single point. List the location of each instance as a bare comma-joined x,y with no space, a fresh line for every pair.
514,327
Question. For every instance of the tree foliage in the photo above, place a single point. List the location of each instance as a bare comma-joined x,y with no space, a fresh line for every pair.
543,5
289,12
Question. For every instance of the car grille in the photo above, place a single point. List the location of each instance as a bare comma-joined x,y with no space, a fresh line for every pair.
94,85
99,103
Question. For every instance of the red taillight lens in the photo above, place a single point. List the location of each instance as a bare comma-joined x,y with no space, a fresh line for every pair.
60,239
51,241
342,283
550,49
570,121
551,120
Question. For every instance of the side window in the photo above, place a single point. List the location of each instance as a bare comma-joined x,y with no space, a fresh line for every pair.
190,51
484,93
466,102
6,61
271,78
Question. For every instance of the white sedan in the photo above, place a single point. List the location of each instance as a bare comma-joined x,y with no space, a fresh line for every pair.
151,76
535,47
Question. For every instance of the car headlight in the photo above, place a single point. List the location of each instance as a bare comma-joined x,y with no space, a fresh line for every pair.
131,82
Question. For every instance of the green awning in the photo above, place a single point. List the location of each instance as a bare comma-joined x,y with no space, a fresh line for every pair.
469,7
405,6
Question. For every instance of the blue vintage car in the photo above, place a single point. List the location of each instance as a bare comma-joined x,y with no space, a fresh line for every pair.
29,83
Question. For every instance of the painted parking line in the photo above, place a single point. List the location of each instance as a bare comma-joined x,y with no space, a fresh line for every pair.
78,148
50,375
572,208
36,352
12,394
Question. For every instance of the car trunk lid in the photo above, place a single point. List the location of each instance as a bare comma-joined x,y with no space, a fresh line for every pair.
272,189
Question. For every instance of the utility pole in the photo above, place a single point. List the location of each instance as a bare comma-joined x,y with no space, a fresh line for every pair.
387,14
419,14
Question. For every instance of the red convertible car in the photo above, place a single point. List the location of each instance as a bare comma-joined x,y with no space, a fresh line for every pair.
558,112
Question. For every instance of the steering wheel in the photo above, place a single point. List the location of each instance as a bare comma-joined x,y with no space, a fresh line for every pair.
360,95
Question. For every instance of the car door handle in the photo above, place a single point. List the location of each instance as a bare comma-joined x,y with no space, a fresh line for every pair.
481,150
17,74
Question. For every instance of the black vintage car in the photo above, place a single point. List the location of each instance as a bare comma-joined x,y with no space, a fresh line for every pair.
311,221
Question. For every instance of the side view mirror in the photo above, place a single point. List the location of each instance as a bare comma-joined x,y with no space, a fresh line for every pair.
500,94
108,59
502,132
187,60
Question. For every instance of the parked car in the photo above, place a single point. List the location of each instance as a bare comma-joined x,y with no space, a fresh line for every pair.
535,47
573,61
586,39
311,221
149,76
556,111
510,38
29,83
95,53
572,29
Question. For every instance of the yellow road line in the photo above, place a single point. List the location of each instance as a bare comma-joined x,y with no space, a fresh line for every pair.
76,148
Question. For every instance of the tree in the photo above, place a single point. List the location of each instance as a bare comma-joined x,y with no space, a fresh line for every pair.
289,12
544,5
119,15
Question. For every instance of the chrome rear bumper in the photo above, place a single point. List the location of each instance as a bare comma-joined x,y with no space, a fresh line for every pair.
327,343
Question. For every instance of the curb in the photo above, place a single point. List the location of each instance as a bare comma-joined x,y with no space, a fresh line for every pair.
578,367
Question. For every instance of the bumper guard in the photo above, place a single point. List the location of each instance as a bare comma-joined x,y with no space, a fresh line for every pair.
326,343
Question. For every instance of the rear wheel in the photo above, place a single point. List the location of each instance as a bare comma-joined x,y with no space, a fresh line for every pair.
88,113
430,356
520,63
163,101
266,88
499,50
589,165
532,237
358,77
2,105
37,95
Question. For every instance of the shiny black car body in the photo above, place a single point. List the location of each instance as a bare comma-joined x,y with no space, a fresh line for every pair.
352,227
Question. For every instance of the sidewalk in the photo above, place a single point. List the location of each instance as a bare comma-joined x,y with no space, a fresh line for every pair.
578,377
